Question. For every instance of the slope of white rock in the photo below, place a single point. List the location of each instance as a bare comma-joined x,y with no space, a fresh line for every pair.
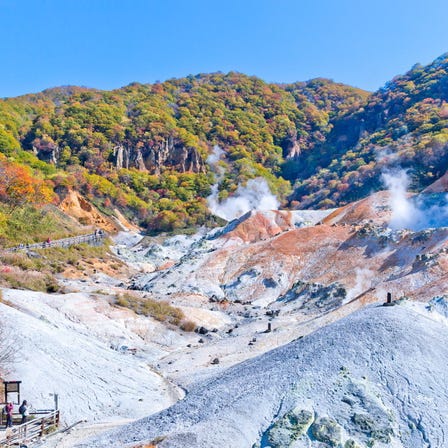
74,345
378,376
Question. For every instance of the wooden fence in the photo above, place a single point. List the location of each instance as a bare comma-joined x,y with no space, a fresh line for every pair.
32,431
91,238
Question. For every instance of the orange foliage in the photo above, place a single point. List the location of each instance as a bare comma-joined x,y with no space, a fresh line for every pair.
19,187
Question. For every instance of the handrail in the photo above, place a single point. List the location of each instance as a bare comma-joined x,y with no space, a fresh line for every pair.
64,242
32,430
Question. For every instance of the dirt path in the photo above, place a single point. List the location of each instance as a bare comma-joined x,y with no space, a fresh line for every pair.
79,433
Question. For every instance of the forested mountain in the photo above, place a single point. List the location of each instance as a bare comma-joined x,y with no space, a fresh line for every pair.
144,148
403,124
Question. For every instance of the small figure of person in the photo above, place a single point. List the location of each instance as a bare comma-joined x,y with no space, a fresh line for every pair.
8,410
23,411
48,241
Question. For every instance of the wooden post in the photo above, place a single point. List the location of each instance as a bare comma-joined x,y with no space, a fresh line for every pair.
389,297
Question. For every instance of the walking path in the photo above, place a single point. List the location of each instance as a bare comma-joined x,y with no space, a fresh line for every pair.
91,238
27,434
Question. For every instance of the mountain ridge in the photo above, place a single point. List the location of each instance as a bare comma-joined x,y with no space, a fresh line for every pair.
318,144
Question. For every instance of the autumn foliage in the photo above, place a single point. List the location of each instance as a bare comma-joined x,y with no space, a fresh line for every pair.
322,141
18,186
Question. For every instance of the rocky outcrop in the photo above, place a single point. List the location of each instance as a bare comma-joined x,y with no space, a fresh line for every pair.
124,157
46,150
121,157
172,152
291,147
312,297
79,208
289,428
439,186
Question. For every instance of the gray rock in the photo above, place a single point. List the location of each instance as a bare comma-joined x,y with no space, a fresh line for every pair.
326,430
290,427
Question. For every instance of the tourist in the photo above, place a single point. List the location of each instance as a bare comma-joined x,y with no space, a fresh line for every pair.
8,410
23,411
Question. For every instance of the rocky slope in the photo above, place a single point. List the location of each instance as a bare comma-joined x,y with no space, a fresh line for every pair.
373,378
76,345
272,258
265,280
288,272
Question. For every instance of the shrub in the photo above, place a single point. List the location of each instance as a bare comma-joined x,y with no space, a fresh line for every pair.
187,325
36,273
158,310
32,280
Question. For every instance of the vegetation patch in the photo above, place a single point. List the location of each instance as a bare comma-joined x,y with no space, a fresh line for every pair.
35,270
31,280
159,310
30,224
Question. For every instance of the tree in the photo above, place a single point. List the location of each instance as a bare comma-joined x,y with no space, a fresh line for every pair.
8,143
19,187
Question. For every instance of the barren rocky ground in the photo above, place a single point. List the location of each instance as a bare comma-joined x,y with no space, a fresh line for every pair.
374,378
285,354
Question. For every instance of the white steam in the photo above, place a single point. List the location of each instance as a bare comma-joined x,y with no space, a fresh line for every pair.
414,213
215,156
404,212
256,195
363,281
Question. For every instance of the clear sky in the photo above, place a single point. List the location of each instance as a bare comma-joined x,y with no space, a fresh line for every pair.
109,43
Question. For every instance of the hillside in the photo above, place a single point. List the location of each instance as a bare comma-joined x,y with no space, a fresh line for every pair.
264,280
156,151
353,383
144,148
404,124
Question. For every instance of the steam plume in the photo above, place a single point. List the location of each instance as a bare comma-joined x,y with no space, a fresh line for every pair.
215,156
256,195
363,281
413,212
404,212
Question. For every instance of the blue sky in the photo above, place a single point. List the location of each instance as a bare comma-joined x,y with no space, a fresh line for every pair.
110,43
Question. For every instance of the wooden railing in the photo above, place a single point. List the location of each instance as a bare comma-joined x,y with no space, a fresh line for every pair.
31,431
90,238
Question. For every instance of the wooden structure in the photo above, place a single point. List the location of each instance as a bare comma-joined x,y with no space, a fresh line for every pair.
40,422
12,391
45,422
92,238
